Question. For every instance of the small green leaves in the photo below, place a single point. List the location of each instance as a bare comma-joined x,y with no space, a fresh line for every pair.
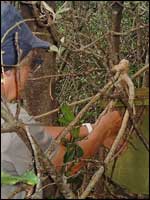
70,154
79,151
75,133
28,178
68,115
73,151
7,179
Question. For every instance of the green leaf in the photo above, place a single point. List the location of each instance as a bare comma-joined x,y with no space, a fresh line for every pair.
73,151
7,179
28,178
67,112
68,115
63,121
75,133
69,155
79,151
64,141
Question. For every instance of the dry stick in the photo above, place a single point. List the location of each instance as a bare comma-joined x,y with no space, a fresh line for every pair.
21,132
131,30
77,118
19,189
64,75
82,48
7,129
46,163
107,87
16,126
138,73
100,172
14,26
134,126
43,161
51,171
37,163
93,100
57,109
138,132
5,104
124,192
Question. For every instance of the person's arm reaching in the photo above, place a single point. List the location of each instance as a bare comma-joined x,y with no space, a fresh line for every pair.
103,134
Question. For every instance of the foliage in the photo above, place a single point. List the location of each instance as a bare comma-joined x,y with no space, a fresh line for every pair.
90,21
73,150
28,177
84,32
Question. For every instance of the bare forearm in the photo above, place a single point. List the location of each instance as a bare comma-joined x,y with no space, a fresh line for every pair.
103,134
90,145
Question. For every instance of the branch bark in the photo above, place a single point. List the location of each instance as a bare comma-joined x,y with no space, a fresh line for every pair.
122,67
117,7
37,97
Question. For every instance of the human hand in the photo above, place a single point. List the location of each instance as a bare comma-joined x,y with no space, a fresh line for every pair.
113,120
109,126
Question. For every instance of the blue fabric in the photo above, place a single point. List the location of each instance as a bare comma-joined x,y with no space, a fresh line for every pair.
26,40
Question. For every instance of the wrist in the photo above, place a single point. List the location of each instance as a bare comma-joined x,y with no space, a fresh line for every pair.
89,127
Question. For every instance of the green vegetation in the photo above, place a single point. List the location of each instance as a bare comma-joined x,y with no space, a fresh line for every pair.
28,177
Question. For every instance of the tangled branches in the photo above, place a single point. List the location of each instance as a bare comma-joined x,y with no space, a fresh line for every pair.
121,79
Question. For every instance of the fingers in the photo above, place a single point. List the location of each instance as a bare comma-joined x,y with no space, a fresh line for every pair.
112,121
112,117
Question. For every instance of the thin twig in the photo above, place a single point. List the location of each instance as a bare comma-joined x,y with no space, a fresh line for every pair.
64,75
14,26
137,74
19,189
106,88
37,162
130,31
137,129
140,71
122,67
